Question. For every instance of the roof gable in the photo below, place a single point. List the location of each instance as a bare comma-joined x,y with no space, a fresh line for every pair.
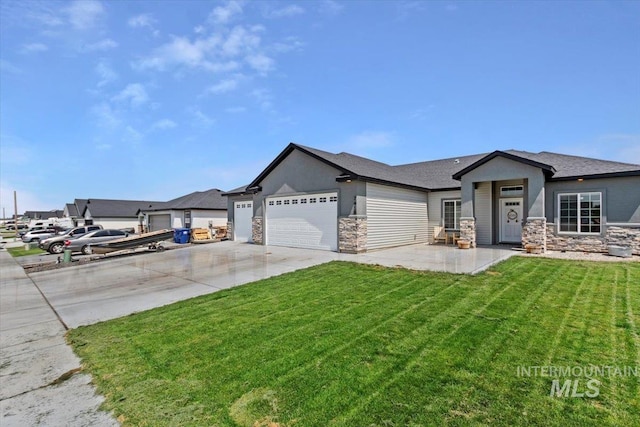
546,169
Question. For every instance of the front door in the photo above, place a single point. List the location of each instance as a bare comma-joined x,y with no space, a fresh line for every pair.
511,220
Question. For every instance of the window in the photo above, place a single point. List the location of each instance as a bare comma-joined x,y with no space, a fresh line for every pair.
286,202
278,202
580,212
312,199
512,191
451,214
102,233
303,201
270,202
294,201
333,198
323,200
248,205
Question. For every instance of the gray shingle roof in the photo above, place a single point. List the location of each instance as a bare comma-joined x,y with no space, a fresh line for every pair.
72,209
106,208
236,191
211,199
438,174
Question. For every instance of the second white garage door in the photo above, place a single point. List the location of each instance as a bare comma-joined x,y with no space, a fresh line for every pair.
159,222
305,221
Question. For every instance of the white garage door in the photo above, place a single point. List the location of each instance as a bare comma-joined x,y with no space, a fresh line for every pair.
242,214
159,222
395,216
304,221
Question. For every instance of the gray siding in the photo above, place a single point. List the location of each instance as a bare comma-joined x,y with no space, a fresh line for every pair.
395,216
483,213
434,203
621,197
300,173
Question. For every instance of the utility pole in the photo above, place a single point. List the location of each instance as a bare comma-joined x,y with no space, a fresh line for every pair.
15,207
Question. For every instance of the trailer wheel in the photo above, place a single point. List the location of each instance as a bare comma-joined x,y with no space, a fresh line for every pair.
160,248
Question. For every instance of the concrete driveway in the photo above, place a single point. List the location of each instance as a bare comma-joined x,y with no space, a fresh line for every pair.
41,383
116,287
120,286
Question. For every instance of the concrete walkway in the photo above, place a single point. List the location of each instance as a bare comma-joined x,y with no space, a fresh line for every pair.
34,359
36,310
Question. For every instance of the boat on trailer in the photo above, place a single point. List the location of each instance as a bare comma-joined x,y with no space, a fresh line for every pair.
151,240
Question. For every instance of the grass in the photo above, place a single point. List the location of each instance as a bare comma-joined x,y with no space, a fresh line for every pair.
21,251
344,344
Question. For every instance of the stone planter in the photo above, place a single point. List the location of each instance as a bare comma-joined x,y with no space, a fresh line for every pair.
533,249
621,251
464,244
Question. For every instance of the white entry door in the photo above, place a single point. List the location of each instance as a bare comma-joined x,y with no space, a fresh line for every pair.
511,220
242,216
303,221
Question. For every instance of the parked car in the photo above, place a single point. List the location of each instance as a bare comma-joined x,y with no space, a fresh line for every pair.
84,242
21,226
55,244
37,235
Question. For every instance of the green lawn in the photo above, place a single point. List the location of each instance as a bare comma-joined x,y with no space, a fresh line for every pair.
353,345
21,251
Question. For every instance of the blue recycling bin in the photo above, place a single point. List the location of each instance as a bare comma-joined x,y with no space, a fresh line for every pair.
181,235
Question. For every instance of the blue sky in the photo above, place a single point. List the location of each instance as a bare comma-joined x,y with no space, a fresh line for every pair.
156,99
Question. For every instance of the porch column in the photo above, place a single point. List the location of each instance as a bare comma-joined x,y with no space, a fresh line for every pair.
467,220
256,230
534,231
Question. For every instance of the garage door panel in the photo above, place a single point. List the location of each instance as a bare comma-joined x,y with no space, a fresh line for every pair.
303,221
159,222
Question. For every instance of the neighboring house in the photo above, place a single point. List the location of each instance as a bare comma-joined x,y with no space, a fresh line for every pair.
44,214
118,214
310,198
201,209
74,211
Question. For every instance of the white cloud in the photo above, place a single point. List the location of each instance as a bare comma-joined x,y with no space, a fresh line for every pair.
34,47
264,98
223,86
260,62
330,7
240,40
102,45
103,147
180,51
164,124
370,139
134,93
200,118
105,115
224,14
106,73
132,135
142,20
289,44
84,14
285,12
8,67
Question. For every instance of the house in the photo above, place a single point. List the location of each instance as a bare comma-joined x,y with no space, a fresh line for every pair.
74,211
118,214
201,209
309,198
56,213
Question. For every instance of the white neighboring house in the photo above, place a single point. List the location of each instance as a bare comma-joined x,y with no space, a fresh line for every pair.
201,209
117,214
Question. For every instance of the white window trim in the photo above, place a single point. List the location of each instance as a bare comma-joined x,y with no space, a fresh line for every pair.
455,220
578,232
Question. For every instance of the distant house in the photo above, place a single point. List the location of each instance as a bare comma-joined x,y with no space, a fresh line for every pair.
118,214
74,211
56,213
201,209
309,198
